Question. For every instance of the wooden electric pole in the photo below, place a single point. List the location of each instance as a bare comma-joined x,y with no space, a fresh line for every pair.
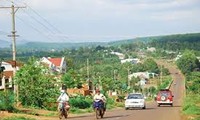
13,35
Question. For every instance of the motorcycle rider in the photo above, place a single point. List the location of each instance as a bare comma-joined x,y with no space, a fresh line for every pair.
99,96
63,98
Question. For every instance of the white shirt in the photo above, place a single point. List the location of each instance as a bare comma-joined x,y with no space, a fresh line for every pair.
99,97
63,98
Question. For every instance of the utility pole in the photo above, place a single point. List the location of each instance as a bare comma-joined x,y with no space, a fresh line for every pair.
13,35
161,75
114,78
128,77
88,76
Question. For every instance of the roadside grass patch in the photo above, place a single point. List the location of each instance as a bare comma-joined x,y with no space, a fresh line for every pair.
191,105
198,118
18,118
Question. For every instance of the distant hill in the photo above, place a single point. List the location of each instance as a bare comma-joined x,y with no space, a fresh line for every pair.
4,44
58,46
177,42
167,41
7,44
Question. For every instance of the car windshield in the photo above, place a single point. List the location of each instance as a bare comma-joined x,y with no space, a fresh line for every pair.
164,93
135,96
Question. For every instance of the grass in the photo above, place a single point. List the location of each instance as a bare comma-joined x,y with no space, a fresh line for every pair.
191,106
198,118
18,118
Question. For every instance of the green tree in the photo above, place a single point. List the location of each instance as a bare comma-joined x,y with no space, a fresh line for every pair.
188,62
193,82
151,66
72,79
36,86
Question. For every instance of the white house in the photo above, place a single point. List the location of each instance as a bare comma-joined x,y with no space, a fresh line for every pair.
7,75
120,55
133,61
151,49
144,75
55,64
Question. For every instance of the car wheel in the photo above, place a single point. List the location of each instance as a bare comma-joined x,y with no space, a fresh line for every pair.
126,108
172,105
144,107
158,105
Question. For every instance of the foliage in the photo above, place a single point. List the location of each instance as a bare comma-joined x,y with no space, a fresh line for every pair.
151,66
165,83
152,91
72,79
18,118
7,101
165,71
188,62
177,42
80,102
190,105
36,86
193,82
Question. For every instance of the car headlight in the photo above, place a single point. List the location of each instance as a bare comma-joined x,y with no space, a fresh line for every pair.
142,101
126,102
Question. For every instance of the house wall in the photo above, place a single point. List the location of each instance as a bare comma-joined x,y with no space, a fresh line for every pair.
8,68
3,80
73,91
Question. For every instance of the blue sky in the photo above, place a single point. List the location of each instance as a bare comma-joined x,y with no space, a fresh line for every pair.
99,20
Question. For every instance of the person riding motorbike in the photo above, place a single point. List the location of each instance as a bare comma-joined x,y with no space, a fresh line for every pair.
63,100
99,96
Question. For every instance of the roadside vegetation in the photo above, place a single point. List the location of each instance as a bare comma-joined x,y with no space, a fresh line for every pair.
18,118
189,65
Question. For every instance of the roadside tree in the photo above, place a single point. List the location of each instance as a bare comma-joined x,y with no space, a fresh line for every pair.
36,86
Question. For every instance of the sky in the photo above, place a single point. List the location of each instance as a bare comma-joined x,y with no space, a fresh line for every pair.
98,20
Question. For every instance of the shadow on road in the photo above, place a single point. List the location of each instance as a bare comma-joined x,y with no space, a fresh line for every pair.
177,106
81,116
142,109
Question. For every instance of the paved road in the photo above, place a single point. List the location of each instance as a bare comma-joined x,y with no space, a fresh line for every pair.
152,112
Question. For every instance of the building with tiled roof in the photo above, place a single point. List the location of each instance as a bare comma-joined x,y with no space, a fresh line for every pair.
55,64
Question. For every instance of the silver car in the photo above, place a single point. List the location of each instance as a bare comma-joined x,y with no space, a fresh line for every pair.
135,100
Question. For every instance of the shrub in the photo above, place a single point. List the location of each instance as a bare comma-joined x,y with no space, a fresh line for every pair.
7,101
80,102
190,105
164,84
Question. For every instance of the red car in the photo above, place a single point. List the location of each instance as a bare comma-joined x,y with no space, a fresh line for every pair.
164,97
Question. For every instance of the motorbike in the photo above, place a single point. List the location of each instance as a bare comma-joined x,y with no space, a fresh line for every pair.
63,110
99,108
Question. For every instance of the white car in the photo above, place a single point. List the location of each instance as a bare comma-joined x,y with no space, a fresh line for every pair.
135,100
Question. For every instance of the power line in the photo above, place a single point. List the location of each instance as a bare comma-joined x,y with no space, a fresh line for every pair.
36,17
53,30
48,23
38,22
34,28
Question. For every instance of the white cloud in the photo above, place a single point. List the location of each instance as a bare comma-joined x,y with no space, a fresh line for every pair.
106,19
